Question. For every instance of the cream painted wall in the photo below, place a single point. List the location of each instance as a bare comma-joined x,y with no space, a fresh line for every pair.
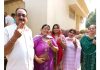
58,13
50,12
45,11
11,6
37,14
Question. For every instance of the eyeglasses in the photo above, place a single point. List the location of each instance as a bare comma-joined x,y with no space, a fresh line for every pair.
91,28
20,14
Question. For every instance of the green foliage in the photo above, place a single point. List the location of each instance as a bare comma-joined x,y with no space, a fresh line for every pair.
91,19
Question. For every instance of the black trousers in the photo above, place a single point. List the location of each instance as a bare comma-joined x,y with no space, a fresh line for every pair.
5,63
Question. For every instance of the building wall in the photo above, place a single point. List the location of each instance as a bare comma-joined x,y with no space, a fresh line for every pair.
45,11
11,6
48,12
58,13
37,14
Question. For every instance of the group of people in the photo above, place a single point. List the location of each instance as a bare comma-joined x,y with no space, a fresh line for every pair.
50,50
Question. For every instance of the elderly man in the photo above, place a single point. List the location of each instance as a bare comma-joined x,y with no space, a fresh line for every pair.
18,47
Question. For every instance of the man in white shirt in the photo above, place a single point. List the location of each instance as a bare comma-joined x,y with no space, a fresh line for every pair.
9,20
18,47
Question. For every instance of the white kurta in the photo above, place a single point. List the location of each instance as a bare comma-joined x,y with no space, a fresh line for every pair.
21,57
71,59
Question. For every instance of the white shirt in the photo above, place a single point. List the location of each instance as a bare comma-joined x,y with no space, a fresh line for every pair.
22,55
9,20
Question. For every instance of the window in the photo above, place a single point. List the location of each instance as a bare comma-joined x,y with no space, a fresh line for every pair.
72,14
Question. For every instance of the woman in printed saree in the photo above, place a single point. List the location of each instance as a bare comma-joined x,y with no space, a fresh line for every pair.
60,40
88,44
72,52
44,46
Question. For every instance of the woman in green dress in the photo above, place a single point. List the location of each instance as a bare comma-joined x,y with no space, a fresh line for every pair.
88,44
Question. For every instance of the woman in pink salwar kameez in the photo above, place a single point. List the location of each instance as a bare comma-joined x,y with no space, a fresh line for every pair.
44,46
72,52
